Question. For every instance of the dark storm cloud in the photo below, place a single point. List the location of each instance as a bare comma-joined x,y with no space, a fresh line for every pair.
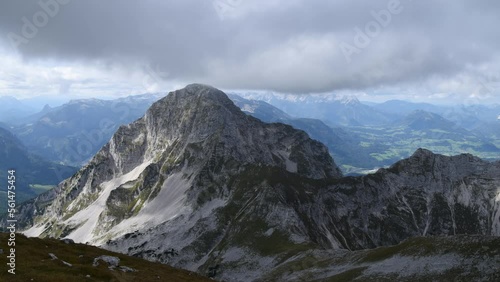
291,46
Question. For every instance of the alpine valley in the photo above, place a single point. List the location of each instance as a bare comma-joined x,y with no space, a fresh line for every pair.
198,184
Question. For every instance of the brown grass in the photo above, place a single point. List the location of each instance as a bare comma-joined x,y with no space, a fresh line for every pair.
34,264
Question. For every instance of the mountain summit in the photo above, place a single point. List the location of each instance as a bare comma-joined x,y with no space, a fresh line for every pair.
203,115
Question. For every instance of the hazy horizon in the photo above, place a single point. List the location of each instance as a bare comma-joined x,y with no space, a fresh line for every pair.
39,102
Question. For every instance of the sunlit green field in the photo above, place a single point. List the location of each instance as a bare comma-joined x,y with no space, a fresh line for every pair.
401,142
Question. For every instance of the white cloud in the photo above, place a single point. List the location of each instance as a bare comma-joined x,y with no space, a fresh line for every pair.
26,78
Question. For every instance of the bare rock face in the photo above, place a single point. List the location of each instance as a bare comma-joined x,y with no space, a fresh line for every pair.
198,184
426,194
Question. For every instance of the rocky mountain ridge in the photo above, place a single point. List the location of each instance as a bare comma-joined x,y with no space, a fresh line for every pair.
194,133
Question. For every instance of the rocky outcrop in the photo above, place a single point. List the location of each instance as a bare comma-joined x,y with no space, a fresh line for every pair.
426,194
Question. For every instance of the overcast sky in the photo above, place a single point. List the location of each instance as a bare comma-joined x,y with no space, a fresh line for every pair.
445,50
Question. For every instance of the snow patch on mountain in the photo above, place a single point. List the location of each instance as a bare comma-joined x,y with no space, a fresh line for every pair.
35,231
248,108
167,205
90,215
86,220
297,98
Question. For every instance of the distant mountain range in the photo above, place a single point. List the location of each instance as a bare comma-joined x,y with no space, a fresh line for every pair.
34,174
74,132
359,136
13,109
335,111
343,144
406,128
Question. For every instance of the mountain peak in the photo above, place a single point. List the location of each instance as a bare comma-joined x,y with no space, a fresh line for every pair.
421,152
47,107
199,86
349,100
424,120
194,97
184,152
206,92
202,114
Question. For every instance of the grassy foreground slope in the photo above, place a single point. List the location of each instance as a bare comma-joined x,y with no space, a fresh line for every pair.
451,258
33,263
